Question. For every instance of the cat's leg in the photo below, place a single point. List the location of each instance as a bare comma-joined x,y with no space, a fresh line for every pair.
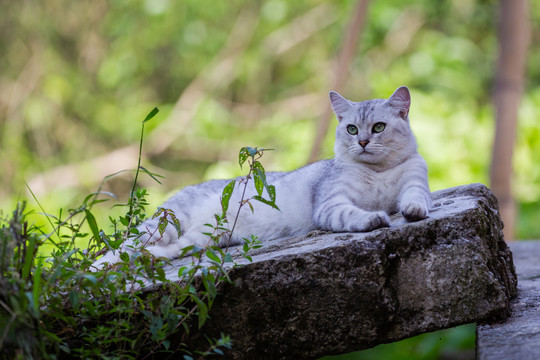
414,199
349,218
168,243
171,250
168,248
113,256
414,203
150,233
149,236
175,248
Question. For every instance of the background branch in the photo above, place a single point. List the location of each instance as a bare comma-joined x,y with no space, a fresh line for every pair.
345,58
509,80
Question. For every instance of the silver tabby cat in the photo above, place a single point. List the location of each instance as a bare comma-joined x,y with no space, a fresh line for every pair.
376,171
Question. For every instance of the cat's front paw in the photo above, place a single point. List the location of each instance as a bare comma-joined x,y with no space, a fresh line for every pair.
414,211
375,220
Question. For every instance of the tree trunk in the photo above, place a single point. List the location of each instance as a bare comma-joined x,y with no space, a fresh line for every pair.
344,61
513,33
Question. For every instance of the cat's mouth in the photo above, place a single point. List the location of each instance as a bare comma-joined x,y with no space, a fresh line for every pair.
363,150
362,154
366,155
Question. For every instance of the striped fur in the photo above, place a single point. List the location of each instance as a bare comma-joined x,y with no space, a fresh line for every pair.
354,191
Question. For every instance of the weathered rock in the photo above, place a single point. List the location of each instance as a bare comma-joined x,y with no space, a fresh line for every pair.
517,337
324,293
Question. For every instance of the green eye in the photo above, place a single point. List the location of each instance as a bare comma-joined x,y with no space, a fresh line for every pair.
379,127
351,129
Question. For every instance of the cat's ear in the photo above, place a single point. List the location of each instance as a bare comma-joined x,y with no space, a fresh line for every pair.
340,105
401,100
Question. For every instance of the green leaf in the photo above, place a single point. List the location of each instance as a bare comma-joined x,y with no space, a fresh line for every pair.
252,151
242,156
212,256
90,278
36,288
151,114
151,174
259,178
28,258
93,224
95,194
183,271
39,204
155,326
267,202
228,258
74,297
258,166
161,273
176,223
162,225
124,256
158,212
64,348
271,189
124,220
203,309
251,207
186,250
226,195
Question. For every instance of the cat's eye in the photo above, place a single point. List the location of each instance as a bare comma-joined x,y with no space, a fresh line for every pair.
351,129
379,127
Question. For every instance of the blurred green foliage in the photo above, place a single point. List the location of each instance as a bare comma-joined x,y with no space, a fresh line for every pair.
75,77
456,343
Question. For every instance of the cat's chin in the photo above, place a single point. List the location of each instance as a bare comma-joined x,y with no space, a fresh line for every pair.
368,160
371,161
364,158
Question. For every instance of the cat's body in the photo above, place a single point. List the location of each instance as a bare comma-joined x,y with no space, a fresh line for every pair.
376,172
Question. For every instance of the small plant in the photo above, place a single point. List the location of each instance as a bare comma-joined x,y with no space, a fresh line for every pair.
52,306
257,172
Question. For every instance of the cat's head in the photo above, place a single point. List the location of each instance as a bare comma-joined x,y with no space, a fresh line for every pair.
374,132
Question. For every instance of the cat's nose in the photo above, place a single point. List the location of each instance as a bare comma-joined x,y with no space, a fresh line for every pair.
363,143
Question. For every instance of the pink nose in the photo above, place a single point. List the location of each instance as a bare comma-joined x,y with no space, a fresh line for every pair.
363,143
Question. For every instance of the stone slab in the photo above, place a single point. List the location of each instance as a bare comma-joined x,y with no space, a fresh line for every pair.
518,337
328,293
